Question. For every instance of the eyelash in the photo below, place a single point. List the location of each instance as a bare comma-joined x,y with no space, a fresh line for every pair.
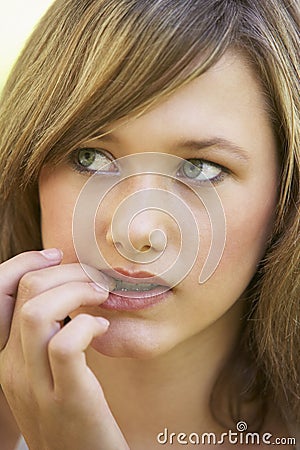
215,180
77,167
80,168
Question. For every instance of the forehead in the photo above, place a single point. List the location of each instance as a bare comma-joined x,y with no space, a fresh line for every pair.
227,99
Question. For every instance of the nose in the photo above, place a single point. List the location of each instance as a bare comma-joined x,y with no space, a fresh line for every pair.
140,225
147,231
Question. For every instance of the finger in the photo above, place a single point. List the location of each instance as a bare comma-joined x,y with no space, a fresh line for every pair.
67,357
11,272
39,320
34,283
75,386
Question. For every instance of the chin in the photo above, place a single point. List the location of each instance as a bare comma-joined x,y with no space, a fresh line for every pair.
126,339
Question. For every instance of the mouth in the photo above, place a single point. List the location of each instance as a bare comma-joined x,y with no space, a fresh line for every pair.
123,286
135,290
126,281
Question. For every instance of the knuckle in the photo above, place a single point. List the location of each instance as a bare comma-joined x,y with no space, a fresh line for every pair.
60,349
29,284
30,316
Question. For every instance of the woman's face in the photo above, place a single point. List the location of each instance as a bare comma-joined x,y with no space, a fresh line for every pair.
220,121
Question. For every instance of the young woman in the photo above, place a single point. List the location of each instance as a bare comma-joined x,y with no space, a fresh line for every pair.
173,109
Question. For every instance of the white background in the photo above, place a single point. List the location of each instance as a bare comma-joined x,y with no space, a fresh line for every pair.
17,20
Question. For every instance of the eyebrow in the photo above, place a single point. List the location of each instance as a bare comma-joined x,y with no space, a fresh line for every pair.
202,144
217,142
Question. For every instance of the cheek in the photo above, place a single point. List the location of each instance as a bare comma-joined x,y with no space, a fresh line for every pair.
249,221
248,229
57,202
248,226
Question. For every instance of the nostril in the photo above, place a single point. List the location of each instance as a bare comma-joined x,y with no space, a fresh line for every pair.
118,245
135,247
140,236
140,246
145,248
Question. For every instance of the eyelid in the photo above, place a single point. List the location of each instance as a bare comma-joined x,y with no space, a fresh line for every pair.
224,169
97,149
218,178
85,170
214,180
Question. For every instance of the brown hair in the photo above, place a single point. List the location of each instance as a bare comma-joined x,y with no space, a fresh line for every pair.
89,63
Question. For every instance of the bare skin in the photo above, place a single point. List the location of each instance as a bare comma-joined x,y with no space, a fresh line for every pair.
155,367
9,432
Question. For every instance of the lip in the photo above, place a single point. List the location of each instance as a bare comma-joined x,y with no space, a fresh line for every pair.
140,276
136,300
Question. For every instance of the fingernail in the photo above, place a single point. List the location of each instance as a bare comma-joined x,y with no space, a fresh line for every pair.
52,253
103,321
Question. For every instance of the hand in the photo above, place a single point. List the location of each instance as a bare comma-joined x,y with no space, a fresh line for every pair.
56,399
10,274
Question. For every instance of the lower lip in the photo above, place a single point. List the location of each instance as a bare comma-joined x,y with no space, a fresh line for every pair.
135,300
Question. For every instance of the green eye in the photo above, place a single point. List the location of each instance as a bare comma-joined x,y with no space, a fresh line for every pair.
192,168
91,160
201,171
86,156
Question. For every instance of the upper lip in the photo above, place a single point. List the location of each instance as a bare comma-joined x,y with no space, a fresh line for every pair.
135,277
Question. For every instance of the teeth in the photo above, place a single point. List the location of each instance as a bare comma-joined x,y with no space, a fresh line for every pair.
123,286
